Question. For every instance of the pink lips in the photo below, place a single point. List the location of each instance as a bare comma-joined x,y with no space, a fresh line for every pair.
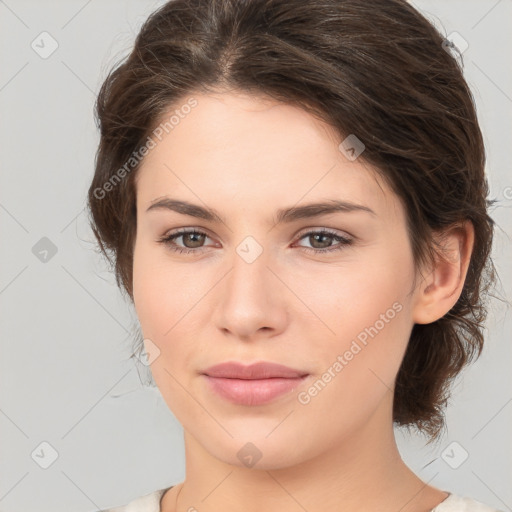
255,384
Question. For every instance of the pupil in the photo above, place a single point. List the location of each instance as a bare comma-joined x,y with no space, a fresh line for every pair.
196,242
316,237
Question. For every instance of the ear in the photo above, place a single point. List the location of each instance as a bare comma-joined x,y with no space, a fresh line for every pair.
438,292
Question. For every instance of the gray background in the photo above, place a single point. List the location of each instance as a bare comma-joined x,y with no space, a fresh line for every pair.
66,376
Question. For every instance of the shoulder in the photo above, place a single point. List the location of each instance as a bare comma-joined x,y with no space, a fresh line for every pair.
456,503
147,503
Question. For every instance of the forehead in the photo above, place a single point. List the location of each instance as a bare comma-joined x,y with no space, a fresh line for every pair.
255,149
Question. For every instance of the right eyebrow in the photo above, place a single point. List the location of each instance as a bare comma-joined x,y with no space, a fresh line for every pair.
186,208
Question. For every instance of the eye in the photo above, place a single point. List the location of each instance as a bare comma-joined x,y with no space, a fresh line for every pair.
193,240
193,237
323,239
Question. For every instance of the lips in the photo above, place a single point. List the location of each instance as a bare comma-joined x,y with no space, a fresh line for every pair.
256,384
261,370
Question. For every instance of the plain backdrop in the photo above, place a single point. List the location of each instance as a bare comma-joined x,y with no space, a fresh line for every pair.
79,430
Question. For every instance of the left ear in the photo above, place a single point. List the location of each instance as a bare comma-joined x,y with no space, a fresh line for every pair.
439,291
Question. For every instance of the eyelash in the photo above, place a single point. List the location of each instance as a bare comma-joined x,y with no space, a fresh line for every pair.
168,240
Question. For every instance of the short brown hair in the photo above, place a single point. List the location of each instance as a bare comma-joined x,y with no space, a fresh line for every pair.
379,70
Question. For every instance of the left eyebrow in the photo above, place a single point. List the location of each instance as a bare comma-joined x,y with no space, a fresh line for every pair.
284,215
316,209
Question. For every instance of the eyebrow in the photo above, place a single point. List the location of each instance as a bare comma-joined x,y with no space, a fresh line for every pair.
284,215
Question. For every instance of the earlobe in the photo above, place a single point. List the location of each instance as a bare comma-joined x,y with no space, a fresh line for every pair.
438,292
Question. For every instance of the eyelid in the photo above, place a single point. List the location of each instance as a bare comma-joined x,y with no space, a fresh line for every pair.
186,230
300,234
342,240
324,229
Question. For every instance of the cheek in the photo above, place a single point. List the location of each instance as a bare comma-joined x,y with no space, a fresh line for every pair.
363,311
146,301
158,294
167,301
345,299
360,363
161,308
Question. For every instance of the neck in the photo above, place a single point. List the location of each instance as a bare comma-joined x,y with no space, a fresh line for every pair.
363,472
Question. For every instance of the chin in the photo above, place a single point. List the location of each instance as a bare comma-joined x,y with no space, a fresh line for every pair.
254,450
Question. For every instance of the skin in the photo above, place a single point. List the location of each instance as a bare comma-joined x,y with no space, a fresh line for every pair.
246,157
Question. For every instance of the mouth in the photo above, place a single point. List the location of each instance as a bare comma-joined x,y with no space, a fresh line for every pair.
255,384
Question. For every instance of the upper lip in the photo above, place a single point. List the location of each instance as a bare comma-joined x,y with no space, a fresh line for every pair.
260,370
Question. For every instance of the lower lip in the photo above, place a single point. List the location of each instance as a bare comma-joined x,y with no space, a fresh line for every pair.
252,391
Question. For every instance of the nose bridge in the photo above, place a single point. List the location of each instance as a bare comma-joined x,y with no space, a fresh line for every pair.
249,275
249,301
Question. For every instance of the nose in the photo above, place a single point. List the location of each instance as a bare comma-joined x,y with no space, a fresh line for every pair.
251,300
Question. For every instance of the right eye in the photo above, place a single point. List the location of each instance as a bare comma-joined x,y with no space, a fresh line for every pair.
193,237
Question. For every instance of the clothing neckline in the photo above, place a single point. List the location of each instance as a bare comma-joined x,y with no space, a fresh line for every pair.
442,502
162,497
432,510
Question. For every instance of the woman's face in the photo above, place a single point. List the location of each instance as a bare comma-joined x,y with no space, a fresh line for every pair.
251,289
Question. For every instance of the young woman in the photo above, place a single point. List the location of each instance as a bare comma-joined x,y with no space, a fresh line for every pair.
293,194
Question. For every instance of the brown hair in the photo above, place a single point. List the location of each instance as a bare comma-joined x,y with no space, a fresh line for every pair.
379,70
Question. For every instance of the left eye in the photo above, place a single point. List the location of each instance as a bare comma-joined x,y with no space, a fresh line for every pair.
195,238
321,237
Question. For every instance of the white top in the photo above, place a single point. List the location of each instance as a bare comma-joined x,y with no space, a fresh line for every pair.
453,503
